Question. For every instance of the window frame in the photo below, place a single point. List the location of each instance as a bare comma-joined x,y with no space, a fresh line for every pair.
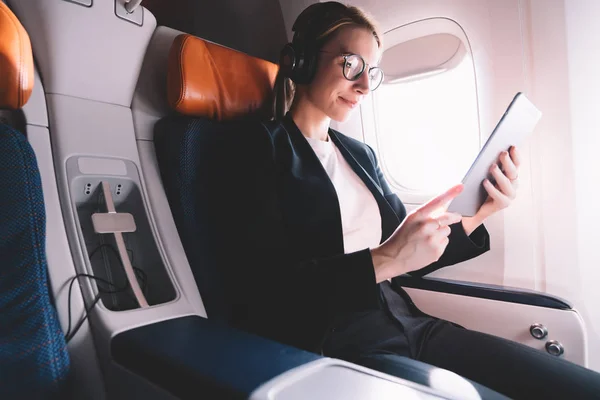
393,37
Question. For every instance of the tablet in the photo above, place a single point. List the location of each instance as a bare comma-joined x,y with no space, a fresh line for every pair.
516,124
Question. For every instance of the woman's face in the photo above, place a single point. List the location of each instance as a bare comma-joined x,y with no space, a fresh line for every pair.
330,91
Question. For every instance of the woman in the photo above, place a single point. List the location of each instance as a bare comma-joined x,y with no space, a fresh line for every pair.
310,237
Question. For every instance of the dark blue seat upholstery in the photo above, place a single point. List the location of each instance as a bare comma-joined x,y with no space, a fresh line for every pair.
180,143
34,362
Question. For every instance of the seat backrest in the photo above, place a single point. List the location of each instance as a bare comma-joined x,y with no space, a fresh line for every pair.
34,363
209,86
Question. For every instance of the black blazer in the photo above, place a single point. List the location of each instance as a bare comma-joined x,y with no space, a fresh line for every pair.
278,233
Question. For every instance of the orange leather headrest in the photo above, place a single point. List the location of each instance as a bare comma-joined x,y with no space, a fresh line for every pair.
208,80
16,61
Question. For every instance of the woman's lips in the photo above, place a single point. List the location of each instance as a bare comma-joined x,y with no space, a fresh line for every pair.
349,103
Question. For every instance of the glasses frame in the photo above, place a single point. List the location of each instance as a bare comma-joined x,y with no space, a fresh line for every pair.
362,71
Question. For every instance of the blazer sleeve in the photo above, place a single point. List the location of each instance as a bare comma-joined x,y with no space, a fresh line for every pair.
267,285
461,247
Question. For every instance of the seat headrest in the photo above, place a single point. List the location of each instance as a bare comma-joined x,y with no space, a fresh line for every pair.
208,80
16,61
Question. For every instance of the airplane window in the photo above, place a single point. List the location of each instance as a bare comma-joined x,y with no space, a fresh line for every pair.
426,116
428,129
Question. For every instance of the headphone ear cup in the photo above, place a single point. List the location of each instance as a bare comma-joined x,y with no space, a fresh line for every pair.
305,67
294,64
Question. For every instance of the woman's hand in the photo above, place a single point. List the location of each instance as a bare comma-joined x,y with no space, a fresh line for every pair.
420,240
500,195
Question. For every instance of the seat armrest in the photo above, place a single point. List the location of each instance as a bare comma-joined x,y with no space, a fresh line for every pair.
191,357
484,291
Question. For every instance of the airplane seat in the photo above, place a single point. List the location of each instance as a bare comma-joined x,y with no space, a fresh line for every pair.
34,362
211,87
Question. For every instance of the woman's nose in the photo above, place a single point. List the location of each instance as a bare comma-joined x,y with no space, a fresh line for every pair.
362,83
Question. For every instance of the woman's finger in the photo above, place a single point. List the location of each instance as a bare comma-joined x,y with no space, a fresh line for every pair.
495,194
444,230
439,236
510,169
432,226
443,242
438,203
448,218
515,155
504,184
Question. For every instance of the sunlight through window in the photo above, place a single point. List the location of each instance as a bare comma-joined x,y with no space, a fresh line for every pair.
427,129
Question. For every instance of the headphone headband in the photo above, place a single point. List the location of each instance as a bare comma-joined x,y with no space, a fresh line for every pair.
326,13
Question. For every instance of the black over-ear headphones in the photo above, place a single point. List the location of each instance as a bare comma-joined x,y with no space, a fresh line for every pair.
298,59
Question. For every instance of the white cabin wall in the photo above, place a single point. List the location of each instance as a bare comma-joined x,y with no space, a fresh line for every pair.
583,42
555,196
510,72
562,76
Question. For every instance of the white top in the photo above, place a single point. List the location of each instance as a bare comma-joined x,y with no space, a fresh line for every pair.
361,221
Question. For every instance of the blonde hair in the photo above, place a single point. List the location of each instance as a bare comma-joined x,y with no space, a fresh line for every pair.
322,30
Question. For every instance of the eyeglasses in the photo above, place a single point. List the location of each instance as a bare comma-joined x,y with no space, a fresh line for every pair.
354,66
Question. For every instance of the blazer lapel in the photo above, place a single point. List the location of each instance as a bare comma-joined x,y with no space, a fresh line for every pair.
389,219
310,199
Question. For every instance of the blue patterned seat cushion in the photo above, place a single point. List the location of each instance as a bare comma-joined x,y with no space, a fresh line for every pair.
34,362
181,145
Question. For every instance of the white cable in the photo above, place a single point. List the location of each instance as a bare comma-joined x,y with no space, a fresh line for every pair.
132,5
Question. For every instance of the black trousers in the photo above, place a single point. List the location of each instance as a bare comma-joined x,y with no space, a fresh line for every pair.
512,369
